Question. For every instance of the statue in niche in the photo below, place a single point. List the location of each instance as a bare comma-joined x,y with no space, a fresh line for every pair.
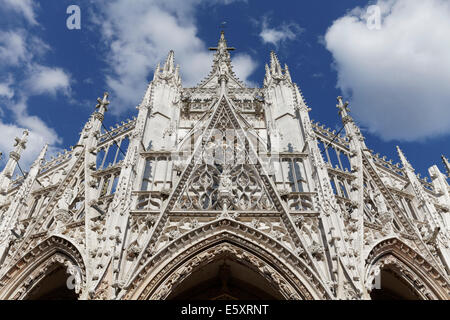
381,205
223,68
67,198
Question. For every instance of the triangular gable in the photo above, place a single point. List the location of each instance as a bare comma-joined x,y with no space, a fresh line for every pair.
226,171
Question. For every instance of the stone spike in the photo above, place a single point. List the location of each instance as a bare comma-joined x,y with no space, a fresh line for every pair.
157,70
177,72
41,156
275,66
403,159
287,73
169,64
222,40
268,75
446,164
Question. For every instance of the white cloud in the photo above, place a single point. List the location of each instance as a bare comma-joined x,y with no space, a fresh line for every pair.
40,134
398,77
43,79
141,33
5,88
19,53
36,141
12,48
243,66
278,35
24,7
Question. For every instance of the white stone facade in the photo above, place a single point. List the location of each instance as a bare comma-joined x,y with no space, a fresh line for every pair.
225,180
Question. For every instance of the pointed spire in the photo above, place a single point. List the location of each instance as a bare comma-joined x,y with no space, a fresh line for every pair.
14,157
344,112
177,71
447,165
168,71
222,47
222,41
275,66
41,156
403,159
287,73
177,75
157,70
267,71
222,59
169,64
352,130
268,76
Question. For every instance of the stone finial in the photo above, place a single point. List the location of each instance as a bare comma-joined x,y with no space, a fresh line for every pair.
342,106
447,165
157,70
177,74
170,63
403,159
169,70
275,66
222,60
103,103
41,156
20,143
287,73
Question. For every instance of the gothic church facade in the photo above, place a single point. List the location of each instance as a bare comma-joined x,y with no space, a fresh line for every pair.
222,192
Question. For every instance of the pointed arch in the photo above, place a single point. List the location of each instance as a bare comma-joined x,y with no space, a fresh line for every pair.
56,251
408,267
287,273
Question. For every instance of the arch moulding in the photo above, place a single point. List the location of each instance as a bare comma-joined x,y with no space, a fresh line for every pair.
32,267
285,272
409,266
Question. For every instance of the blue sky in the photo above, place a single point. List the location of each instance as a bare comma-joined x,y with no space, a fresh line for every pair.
396,78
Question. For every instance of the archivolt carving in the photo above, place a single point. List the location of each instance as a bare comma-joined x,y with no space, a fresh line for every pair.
155,274
37,263
409,266
218,252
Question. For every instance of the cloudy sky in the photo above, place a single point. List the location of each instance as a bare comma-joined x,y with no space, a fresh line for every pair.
395,73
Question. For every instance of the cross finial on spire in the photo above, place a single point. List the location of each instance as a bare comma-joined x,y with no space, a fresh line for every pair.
342,105
22,141
222,46
14,157
103,103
